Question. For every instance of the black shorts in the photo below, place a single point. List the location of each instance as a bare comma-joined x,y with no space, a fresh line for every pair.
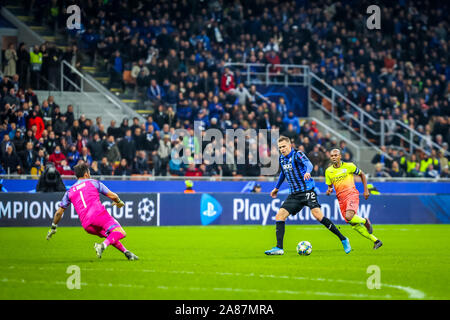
295,202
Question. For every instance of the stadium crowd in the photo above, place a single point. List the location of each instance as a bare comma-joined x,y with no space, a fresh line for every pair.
173,55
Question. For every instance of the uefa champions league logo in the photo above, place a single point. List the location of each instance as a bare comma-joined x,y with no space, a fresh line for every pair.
146,209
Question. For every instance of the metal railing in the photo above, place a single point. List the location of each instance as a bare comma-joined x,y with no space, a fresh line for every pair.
325,129
344,112
269,74
86,82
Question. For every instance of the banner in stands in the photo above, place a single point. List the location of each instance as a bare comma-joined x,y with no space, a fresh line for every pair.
37,209
296,97
260,209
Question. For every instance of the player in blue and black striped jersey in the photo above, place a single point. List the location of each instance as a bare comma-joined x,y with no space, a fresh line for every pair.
296,169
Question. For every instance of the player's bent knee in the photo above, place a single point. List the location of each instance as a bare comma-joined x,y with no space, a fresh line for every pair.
120,229
282,215
349,215
317,213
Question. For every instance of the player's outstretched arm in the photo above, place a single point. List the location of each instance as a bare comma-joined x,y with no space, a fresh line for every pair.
56,219
115,198
366,193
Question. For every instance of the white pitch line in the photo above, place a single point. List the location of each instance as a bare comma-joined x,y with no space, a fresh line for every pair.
320,293
412,293
122,285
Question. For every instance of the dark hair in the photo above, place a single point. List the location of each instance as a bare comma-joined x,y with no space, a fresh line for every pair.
81,169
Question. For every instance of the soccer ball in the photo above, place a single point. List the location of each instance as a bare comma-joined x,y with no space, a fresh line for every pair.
146,209
304,248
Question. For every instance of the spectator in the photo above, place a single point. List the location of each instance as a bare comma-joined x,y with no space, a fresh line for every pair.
96,148
380,171
291,119
316,156
155,93
127,147
396,171
85,156
317,171
382,158
64,169
228,82
37,121
11,162
344,149
105,168
111,150
193,171
29,158
415,172
73,156
57,156
431,172
242,94
140,163
122,169
36,66
11,60
94,170
162,158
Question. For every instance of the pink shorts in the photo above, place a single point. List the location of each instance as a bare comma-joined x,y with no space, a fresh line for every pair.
351,202
102,225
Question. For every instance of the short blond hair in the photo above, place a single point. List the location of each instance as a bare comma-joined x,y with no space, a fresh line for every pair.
284,138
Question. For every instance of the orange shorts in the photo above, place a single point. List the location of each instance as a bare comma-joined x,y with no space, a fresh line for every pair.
350,202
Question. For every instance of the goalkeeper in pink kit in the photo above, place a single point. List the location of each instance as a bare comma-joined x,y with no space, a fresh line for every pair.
95,219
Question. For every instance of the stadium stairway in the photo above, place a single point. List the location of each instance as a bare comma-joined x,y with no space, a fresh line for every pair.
42,30
62,42
366,152
91,104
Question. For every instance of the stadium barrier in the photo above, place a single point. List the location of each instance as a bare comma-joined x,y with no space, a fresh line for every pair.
172,209
224,184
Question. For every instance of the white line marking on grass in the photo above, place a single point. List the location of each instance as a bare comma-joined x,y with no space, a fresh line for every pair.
319,293
123,285
412,293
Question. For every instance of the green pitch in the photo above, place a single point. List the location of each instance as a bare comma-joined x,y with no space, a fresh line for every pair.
226,262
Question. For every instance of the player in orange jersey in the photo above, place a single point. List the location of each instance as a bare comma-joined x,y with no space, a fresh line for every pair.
340,175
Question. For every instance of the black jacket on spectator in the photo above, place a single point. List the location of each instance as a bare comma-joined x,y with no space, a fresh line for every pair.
11,161
140,141
127,149
115,132
160,118
19,143
140,165
105,170
151,142
122,171
60,126
96,148
50,145
28,159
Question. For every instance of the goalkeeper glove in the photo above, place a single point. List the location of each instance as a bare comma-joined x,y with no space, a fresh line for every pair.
119,204
52,231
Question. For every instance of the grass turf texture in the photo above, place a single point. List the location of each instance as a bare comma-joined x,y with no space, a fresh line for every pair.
226,262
